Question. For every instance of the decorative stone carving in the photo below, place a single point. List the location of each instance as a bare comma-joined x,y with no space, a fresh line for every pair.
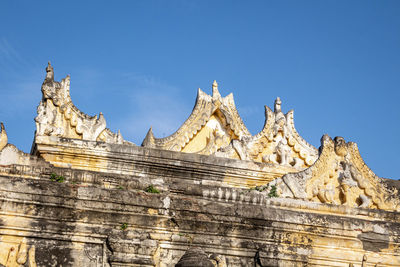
280,119
215,128
195,257
58,116
19,255
279,141
218,260
3,137
282,155
214,203
341,177
214,122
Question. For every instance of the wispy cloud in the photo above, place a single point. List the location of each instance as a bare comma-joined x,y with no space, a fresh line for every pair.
18,97
154,103
19,82
10,59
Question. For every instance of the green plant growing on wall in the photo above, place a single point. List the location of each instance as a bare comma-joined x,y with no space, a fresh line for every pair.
258,188
273,192
57,178
124,226
152,189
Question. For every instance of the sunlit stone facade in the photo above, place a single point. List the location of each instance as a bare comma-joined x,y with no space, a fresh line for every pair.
210,194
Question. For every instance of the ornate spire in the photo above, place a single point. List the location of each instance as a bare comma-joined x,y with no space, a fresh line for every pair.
215,85
149,139
277,106
215,92
50,72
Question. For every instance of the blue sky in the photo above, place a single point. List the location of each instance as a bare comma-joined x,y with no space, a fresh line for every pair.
336,63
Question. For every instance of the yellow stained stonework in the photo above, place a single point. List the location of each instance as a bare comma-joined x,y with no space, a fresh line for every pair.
215,128
224,197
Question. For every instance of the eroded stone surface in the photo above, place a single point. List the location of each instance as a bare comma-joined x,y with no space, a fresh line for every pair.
58,116
215,128
340,177
86,197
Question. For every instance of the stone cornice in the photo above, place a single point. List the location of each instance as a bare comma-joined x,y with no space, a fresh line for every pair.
78,184
122,159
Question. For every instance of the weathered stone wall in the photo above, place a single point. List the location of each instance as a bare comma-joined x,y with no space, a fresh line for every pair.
87,197
97,218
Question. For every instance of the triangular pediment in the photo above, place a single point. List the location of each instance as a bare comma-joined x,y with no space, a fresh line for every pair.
213,124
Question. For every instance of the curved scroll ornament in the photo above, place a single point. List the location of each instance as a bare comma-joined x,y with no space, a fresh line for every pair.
58,116
340,176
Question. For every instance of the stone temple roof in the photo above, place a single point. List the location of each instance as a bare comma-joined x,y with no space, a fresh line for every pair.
276,157
210,194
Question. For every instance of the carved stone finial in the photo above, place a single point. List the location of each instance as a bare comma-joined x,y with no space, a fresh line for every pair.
215,85
215,91
3,137
277,106
119,138
50,72
340,146
149,139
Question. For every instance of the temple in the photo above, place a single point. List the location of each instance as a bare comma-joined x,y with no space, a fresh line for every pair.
210,194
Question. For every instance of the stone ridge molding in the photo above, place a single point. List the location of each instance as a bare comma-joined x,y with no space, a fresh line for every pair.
10,154
340,177
215,128
134,160
58,116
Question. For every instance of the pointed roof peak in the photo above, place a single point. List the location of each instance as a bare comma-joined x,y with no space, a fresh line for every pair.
149,139
49,72
215,92
278,103
49,67
215,84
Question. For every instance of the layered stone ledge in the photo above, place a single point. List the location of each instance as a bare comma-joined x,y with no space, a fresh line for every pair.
88,220
133,160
